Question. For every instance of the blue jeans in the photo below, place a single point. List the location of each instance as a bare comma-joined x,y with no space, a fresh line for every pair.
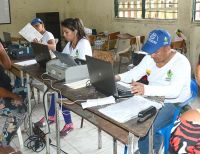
163,118
65,112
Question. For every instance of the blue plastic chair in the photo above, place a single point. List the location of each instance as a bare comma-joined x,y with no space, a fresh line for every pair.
166,131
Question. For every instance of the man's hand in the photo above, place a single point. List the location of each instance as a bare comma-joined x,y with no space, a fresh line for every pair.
117,78
137,88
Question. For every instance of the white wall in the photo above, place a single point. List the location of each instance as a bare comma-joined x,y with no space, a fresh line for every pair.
99,14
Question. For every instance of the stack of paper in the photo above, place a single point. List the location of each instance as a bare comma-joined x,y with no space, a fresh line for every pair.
99,101
128,109
77,84
27,62
30,33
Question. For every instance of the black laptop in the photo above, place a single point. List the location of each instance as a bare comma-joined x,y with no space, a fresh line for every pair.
102,78
65,58
41,53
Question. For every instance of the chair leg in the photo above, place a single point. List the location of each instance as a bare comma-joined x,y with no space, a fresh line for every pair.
120,58
19,134
125,149
99,139
82,122
114,146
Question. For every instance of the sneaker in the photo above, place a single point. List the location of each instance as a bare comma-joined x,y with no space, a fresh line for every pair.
41,122
66,129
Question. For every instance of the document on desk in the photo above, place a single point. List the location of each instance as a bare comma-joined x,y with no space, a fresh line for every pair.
128,109
27,62
97,102
77,84
30,33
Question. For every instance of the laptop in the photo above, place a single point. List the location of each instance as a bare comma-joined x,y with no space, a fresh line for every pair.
41,53
7,38
103,79
65,58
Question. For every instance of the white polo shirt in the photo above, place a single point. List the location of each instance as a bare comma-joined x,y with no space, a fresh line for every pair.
172,80
46,37
82,48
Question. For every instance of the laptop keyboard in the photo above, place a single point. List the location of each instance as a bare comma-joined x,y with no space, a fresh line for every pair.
123,91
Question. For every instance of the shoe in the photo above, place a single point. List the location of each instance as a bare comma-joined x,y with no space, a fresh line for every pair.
41,123
66,129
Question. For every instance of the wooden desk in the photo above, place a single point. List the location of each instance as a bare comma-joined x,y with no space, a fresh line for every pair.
122,132
9,150
117,130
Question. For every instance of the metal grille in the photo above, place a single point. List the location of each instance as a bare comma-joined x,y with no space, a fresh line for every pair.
196,10
146,9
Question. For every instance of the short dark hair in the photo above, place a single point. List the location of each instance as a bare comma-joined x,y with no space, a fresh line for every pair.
74,24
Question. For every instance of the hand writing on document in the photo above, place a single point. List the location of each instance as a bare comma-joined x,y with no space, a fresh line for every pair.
137,88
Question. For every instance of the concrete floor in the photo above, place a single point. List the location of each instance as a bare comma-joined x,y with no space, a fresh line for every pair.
79,141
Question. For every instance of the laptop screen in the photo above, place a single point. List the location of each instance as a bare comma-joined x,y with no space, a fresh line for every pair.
101,75
41,53
65,58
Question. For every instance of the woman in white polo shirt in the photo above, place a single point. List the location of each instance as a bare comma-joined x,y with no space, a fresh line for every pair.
78,46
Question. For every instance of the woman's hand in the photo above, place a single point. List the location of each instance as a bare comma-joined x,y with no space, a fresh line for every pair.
17,100
2,106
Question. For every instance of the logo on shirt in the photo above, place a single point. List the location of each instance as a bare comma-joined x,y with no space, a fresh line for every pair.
77,54
169,75
148,72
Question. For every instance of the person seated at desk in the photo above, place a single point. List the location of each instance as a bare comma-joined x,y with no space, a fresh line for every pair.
12,109
166,76
78,46
48,38
185,137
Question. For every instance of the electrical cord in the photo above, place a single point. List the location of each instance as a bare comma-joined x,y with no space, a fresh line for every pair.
60,149
35,143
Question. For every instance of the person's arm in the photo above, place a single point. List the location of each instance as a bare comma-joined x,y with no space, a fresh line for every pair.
7,94
181,75
197,74
51,44
135,73
4,58
84,49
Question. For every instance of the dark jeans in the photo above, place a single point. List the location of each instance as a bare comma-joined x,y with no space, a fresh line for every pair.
163,118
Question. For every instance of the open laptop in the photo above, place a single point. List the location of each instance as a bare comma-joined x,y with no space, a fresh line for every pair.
102,78
41,53
7,38
65,58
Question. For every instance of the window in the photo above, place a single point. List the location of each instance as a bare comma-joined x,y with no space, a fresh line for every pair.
196,10
146,9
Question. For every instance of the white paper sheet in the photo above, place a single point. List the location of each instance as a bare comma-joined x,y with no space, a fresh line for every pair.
126,85
128,109
77,84
30,33
97,102
27,62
